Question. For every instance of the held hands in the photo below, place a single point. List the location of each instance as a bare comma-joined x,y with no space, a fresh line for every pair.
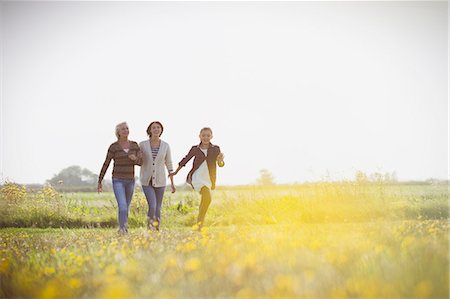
172,186
133,157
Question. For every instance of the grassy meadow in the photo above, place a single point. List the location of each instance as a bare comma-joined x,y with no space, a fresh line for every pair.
321,240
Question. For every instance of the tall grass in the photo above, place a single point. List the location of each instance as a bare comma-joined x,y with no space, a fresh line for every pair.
311,203
324,240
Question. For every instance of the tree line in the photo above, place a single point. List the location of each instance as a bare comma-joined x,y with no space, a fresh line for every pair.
77,179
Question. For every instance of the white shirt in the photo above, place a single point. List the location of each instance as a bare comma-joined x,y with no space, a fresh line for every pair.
200,178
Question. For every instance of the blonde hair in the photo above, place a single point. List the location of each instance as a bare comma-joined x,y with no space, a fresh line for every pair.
206,128
118,126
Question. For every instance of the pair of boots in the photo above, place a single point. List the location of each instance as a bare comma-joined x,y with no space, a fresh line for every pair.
152,224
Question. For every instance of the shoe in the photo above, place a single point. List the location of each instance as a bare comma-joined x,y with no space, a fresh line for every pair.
149,223
122,231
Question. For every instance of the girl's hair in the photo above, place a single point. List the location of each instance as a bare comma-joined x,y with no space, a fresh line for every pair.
118,126
206,129
149,131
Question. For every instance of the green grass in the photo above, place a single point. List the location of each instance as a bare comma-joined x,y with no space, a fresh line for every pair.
327,202
327,240
404,259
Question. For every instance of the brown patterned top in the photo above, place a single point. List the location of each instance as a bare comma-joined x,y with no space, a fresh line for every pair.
123,165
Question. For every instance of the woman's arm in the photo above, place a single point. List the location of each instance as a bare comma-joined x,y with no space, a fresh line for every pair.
137,159
172,185
169,166
168,160
105,166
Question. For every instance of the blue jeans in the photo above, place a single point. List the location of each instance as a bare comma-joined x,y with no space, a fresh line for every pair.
154,197
123,190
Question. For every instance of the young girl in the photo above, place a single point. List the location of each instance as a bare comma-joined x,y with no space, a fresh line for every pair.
202,176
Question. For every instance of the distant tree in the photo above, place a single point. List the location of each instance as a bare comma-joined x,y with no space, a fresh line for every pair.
265,178
74,176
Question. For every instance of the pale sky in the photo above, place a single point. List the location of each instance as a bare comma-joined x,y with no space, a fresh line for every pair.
303,89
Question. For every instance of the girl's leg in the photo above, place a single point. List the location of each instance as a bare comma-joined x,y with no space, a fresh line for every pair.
150,195
159,198
119,192
204,204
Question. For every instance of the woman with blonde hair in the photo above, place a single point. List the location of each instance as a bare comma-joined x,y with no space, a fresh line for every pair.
126,154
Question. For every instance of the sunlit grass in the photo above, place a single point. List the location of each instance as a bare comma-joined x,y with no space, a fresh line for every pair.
317,241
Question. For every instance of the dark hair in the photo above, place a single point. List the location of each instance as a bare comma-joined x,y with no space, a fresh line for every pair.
149,131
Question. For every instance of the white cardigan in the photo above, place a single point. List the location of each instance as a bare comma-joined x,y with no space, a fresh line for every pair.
155,169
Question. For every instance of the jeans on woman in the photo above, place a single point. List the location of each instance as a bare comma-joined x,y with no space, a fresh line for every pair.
154,197
123,190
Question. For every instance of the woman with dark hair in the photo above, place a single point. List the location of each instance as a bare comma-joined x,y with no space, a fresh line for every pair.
156,157
125,154
202,176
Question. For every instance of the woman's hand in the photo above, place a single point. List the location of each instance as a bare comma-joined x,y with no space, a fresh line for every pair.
137,159
173,188
172,174
99,188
